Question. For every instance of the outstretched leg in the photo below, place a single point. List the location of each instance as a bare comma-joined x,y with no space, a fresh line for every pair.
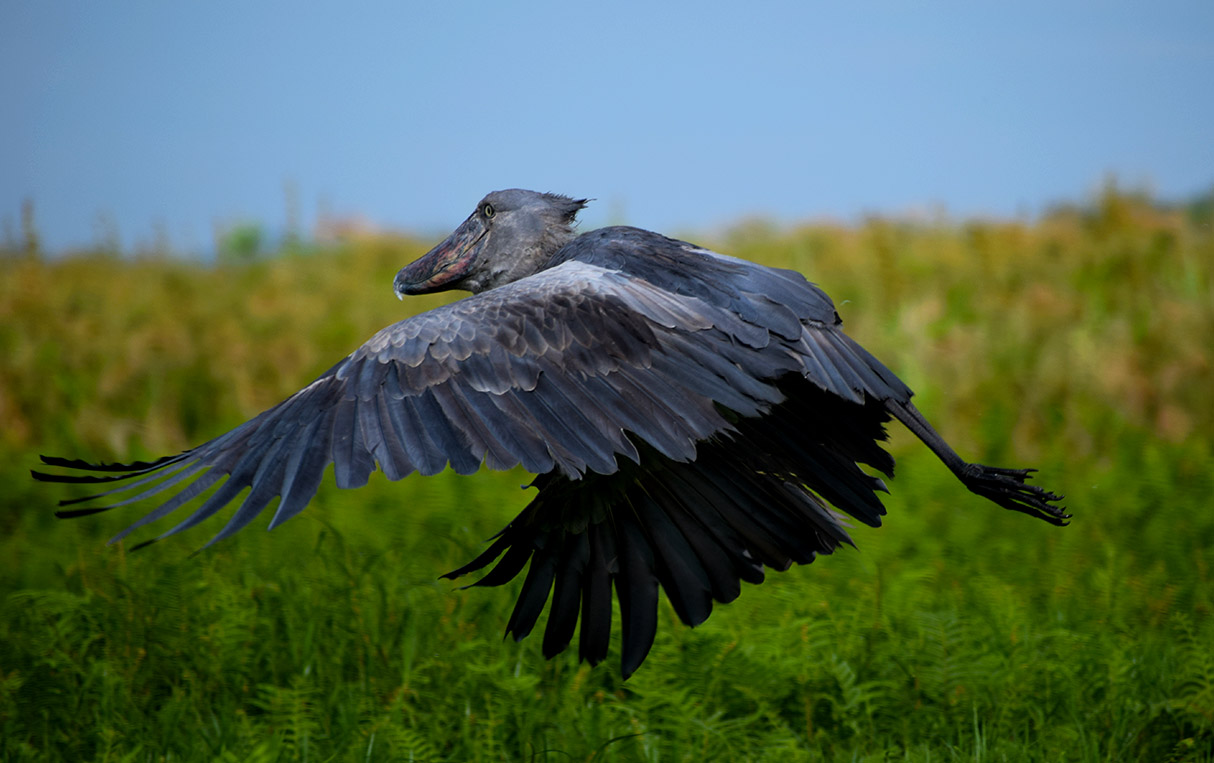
1006,487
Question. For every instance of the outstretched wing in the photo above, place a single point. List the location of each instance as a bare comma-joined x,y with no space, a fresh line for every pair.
559,371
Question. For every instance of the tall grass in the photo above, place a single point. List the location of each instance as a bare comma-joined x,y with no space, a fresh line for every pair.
1080,344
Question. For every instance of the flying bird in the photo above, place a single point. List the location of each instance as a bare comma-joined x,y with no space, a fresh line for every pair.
692,419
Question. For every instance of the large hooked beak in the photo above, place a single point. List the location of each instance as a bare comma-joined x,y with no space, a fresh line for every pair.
444,266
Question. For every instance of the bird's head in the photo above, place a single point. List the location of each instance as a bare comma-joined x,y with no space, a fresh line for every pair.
509,236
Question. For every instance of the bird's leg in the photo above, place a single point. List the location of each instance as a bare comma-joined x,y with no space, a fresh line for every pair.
1006,487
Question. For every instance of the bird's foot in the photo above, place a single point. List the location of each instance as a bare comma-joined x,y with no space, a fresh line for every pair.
1009,489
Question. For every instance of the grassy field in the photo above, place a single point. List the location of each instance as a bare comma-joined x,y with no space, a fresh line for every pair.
1081,344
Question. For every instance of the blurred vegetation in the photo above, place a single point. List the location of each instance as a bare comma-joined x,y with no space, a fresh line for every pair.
1080,343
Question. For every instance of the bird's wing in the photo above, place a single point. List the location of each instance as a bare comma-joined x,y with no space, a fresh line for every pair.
557,371
773,303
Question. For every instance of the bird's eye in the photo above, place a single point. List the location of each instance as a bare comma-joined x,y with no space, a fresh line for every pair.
487,210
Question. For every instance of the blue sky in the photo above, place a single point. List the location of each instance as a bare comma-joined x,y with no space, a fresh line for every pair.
137,117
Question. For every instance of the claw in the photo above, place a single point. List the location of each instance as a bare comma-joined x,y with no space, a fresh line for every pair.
1007,487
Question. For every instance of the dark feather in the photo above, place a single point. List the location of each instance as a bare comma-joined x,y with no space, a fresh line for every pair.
677,567
567,594
533,595
637,588
595,633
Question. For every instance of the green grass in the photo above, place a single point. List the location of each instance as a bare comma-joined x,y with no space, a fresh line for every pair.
1080,344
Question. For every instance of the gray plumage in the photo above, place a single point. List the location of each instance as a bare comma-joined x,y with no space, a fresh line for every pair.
690,417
